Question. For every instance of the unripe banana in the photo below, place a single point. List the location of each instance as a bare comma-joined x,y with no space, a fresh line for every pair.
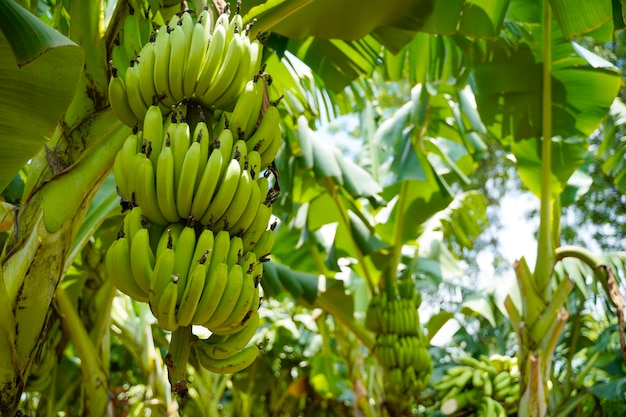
192,294
212,61
263,245
119,59
142,258
118,98
180,142
247,109
123,164
213,290
204,249
187,180
248,216
197,50
228,98
132,34
238,204
178,56
207,186
229,299
145,65
144,189
201,134
240,151
162,52
163,272
235,252
166,311
227,71
133,90
224,143
235,363
222,347
258,226
119,268
221,249
166,194
184,250
153,132
244,304
224,193
254,164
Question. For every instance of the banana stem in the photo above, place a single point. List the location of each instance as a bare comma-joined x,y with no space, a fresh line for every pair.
391,285
94,378
176,359
545,253
345,221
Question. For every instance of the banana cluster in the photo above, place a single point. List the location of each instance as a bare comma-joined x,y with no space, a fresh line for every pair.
484,387
174,174
194,241
400,344
208,61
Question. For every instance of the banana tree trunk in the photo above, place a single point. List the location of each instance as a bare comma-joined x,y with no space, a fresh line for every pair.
60,189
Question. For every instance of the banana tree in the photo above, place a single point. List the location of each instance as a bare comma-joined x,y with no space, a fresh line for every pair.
52,221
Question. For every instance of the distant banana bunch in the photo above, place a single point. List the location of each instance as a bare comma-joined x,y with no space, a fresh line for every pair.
208,61
198,191
400,344
484,387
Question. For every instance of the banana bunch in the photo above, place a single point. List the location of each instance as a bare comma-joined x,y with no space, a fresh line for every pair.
488,386
198,230
208,61
188,275
400,344
173,172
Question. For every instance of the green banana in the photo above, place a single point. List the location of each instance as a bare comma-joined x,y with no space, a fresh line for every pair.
132,34
226,72
153,132
235,363
212,60
238,203
224,194
197,51
192,294
165,184
144,189
264,243
229,298
247,216
166,311
228,98
180,143
118,98
133,91
142,258
213,290
187,180
207,186
119,268
184,250
162,52
258,226
122,165
145,66
222,347
178,56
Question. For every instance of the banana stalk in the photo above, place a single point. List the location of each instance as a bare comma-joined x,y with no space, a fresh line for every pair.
176,359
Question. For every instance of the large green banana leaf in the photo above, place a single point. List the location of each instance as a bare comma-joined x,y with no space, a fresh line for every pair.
39,72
